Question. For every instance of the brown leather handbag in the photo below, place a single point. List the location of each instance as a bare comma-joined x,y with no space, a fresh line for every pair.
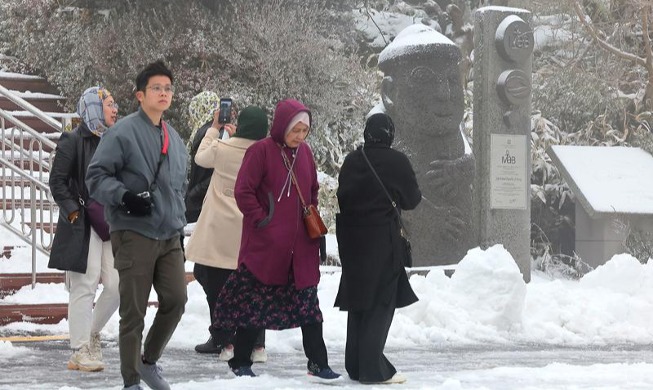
314,224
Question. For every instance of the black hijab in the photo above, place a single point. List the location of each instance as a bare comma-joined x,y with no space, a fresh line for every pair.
379,130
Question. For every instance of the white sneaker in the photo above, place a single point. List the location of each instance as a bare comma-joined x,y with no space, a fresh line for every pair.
95,347
226,353
83,361
259,355
396,379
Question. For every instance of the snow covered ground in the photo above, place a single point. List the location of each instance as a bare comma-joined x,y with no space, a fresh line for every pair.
483,328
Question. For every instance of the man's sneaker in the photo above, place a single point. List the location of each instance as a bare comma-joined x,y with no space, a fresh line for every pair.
259,355
151,375
396,379
243,371
133,387
95,347
83,361
227,353
325,373
210,346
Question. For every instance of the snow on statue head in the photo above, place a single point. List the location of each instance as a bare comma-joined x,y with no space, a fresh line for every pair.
421,89
422,93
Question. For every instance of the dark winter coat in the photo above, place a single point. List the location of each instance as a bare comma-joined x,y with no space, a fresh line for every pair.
73,154
198,179
274,238
367,228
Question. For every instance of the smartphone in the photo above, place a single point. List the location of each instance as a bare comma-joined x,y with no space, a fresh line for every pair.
224,115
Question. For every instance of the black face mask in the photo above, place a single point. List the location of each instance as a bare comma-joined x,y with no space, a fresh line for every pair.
379,129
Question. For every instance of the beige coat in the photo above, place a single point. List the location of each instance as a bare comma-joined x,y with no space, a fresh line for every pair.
215,242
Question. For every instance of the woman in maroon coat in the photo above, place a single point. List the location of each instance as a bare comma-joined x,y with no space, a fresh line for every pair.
275,286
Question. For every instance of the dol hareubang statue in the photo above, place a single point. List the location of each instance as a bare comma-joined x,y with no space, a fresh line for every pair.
423,94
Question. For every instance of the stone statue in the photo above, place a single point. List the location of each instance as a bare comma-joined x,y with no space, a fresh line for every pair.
423,94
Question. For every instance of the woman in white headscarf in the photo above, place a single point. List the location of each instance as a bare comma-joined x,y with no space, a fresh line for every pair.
81,245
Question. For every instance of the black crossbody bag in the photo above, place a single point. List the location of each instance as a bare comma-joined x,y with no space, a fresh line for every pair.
408,252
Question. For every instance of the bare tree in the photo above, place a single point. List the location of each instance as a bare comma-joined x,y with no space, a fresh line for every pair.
641,9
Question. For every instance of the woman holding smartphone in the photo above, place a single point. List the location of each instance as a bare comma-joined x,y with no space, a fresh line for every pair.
215,242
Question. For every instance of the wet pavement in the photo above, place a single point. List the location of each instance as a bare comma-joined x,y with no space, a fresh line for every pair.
42,365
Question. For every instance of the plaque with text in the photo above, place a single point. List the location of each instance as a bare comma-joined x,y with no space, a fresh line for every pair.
508,184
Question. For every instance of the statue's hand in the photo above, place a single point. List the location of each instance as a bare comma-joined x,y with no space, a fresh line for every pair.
441,176
453,222
450,176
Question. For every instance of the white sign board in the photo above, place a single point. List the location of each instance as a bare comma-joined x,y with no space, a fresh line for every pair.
508,185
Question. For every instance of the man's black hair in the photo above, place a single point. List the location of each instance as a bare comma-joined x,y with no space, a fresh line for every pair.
157,68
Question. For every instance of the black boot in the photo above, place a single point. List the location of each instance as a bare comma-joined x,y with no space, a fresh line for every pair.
211,346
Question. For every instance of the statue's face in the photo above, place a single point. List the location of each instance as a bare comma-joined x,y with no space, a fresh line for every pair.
426,98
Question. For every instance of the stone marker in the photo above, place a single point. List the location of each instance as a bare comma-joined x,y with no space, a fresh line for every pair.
503,45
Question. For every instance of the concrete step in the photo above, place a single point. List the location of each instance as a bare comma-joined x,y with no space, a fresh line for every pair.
8,204
44,102
10,283
49,313
34,166
14,181
48,227
8,249
37,124
21,82
41,313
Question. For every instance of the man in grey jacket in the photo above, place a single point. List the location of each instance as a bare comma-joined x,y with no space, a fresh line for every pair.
138,173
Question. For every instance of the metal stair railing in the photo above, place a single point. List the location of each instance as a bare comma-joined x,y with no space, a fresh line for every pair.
25,158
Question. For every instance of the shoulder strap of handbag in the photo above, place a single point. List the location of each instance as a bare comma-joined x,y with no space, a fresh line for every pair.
82,193
286,162
165,143
394,204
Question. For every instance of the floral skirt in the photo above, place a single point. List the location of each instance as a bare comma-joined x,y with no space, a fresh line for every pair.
245,302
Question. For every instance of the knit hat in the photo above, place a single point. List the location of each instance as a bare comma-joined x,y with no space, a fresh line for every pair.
252,123
90,109
379,129
201,108
300,117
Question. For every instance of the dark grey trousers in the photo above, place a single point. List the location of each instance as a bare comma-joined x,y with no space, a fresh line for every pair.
143,263
367,332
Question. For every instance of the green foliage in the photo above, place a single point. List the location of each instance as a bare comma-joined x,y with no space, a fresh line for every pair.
552,208
572,98
640,245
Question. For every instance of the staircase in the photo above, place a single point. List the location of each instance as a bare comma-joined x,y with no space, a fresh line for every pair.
31,120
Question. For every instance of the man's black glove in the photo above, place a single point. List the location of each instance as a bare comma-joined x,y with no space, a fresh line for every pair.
136,205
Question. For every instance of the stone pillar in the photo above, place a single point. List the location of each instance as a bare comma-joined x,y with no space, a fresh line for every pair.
503,45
